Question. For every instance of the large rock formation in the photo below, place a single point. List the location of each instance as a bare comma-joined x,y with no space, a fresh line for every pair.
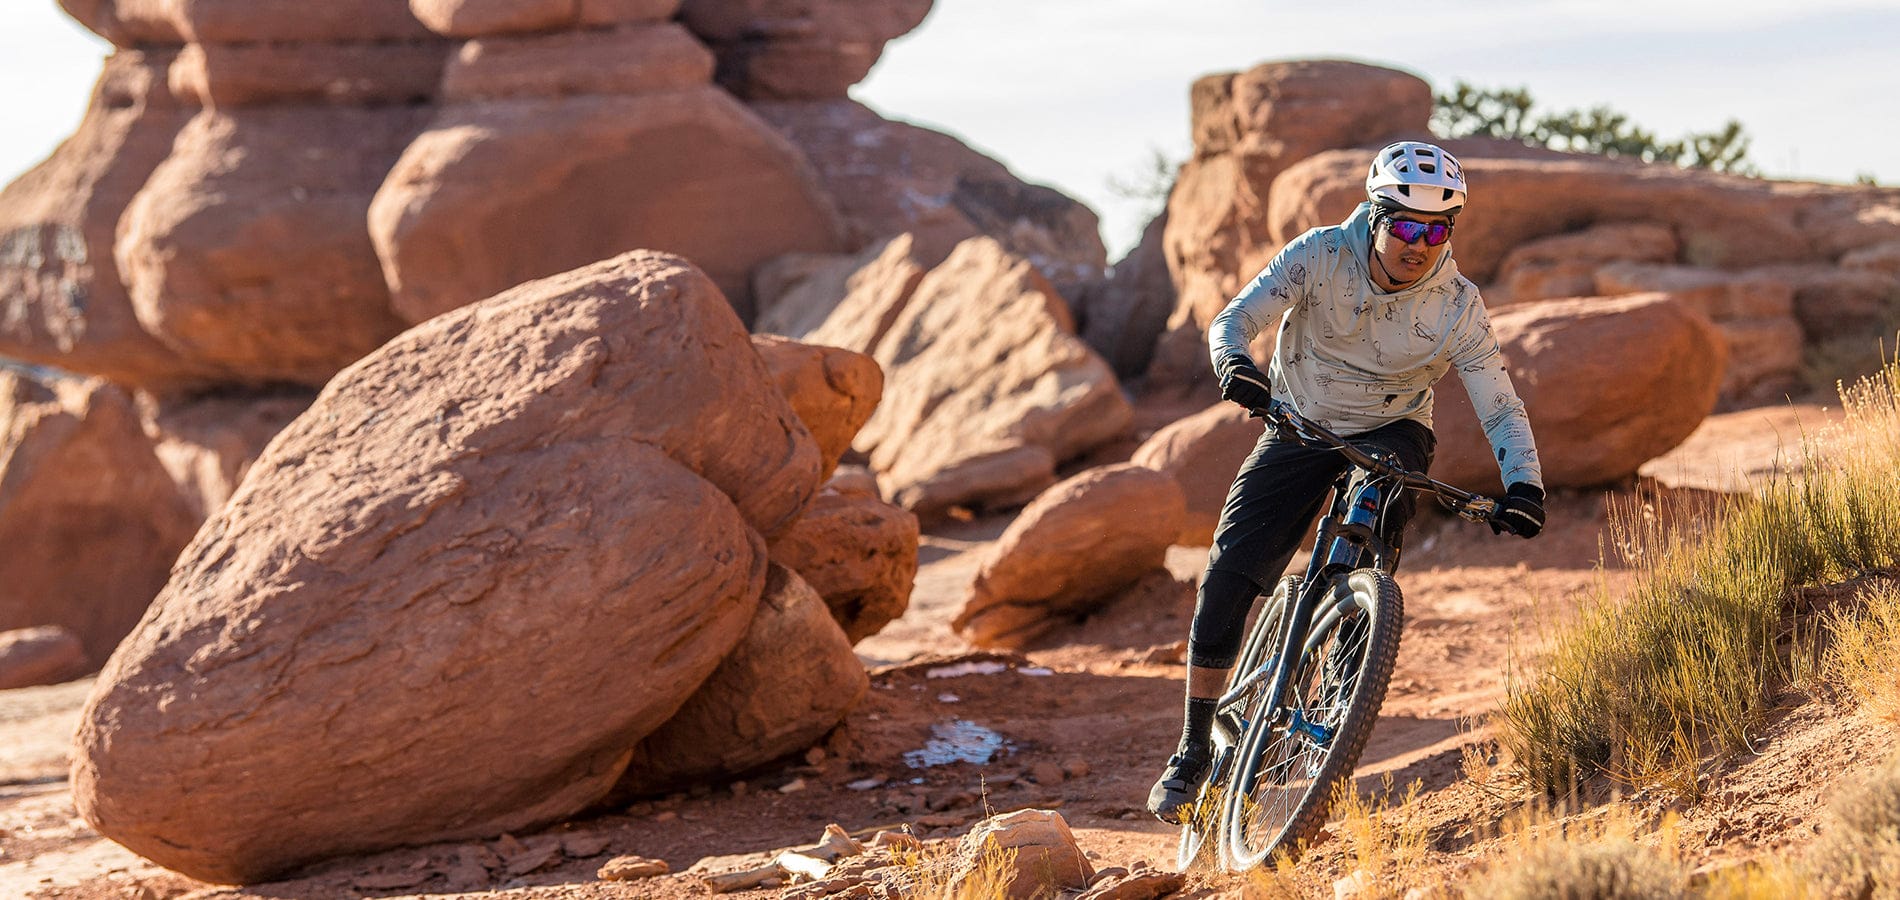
1754,311
1249,127
559,148
543,516
791,679
987,387
246,250
891,178
1070,550
61,299
843,301
1609,384
89,520
798,48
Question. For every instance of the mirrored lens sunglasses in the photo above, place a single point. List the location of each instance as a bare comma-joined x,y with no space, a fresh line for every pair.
1407,231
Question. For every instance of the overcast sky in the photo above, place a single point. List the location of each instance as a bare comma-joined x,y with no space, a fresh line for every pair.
1071,92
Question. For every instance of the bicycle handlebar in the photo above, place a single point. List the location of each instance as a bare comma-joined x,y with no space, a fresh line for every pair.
1467,505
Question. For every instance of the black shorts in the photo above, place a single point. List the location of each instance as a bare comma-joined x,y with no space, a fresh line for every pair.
1280,487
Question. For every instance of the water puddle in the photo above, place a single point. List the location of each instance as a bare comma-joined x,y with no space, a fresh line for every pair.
956,741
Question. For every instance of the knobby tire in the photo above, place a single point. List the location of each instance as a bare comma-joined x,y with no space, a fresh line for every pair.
1204,823
1283,779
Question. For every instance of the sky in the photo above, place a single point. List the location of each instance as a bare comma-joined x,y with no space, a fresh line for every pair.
1075,93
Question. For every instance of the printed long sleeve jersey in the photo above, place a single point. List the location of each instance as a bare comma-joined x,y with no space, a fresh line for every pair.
1353,357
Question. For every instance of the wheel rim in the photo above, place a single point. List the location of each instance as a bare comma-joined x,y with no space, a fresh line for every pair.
1291,765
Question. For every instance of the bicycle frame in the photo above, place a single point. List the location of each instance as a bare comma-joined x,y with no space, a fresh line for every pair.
1347,538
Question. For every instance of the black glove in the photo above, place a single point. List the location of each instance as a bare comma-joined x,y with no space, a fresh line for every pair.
1521,512
1244,384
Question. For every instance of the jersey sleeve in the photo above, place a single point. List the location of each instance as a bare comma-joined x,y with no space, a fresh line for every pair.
1262,302
1507,425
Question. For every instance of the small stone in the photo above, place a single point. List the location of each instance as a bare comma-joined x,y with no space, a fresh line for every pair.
385,881
666,816
1046,773
815,756
583,846
793,786
629,868
1076,768
738,788
884,839
865,784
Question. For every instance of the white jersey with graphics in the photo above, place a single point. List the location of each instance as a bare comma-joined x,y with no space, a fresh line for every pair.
1353,357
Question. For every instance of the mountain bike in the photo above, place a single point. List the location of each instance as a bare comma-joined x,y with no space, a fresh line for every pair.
1306,688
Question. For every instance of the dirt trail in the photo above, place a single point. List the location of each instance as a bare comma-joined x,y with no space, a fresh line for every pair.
1079,723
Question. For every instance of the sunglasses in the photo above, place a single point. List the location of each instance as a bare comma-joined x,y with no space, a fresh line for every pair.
1407,231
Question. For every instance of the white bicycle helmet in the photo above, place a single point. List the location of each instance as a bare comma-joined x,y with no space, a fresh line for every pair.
1417,176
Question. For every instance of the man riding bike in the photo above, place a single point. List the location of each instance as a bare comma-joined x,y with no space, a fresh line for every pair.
1370,314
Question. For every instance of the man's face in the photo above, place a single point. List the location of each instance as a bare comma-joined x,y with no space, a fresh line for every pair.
1399,263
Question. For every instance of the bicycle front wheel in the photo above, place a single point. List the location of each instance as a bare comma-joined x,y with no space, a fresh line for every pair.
1203,822
1290,760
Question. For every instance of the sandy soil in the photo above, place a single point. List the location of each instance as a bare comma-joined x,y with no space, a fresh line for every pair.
1078,723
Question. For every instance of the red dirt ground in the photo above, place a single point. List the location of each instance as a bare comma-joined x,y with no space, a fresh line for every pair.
1086,717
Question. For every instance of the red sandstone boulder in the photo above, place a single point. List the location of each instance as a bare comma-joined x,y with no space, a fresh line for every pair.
856,551
833,391
686,170
987,388
798,49
1753,310
361,73
635,60
1839,301
246,250
207,444
1248,128
452,596
61,299
1609,383
1565,265
89,521
1043,858
129,23
1124,317
891,178
843,301
479,18
791,679
1203,453
1078,543
45,655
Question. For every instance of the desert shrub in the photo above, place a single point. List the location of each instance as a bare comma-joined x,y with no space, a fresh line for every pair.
1641,686
1858,854
1864,642
1608,870
1467,111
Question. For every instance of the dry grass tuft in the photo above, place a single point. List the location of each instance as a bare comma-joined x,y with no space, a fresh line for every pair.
1643,686
1609,854
1858,855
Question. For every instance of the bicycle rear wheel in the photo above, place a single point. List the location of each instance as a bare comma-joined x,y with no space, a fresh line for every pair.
1204,822
1288,765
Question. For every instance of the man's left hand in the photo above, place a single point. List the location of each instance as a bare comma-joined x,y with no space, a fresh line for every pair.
1522,511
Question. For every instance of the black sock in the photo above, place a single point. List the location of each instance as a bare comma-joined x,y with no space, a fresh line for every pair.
1197,726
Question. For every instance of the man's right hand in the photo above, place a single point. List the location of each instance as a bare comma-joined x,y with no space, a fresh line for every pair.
1244,384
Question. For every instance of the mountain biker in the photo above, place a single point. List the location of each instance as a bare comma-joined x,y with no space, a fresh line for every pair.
1370,314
